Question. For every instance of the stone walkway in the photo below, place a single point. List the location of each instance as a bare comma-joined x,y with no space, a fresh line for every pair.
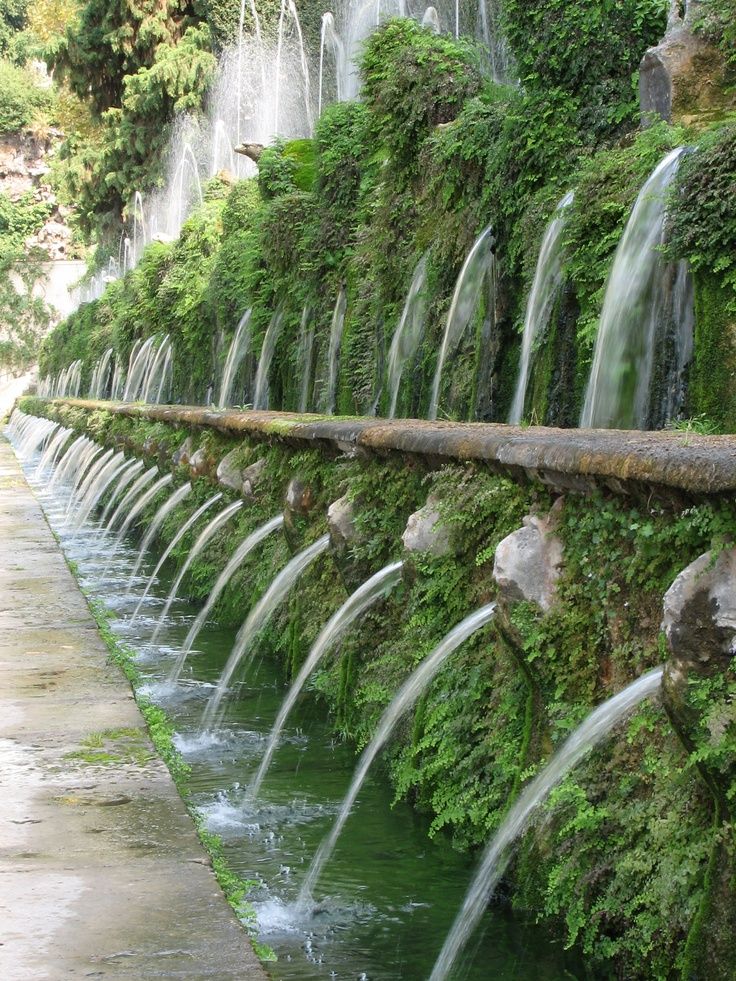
101,871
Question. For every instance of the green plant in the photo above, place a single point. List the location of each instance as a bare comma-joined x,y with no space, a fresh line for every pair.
20,218
588,50
135,66
24,317
703,226
413,80
700,425
13,18
21,99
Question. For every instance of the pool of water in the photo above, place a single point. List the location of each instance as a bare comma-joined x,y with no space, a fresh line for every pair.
389,894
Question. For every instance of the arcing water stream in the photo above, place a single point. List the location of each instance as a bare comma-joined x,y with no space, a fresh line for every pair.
365,596
596,727
239,556
544,289
464,303
414,686
260,614
408,335
618,393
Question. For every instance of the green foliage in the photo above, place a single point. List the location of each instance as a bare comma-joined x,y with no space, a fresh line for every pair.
430,156
712,703
703,229
20,97
716,21
701,425
113,747
618,563
606,186
107,42
23,314
168,292
276,172
47,22
587,50
341,147
458,155
135,66
285,167
21,218
232,283
184,299
629,843
223,17
13,18
24,317
413,80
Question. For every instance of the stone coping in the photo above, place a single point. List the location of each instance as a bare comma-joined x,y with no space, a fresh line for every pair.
663,464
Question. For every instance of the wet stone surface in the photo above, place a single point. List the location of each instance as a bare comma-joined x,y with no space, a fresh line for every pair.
101,872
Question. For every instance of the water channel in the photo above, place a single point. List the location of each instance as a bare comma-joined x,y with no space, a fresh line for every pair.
389,894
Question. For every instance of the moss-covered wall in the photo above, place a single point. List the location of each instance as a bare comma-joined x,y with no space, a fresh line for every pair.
623,860
432,154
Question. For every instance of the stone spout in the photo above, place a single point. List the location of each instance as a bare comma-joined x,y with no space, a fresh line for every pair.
700,613
251,150
528,563
700,628
229,474
181,457
299,501
345,534
425,533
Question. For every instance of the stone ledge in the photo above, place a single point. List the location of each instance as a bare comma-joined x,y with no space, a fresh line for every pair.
665,465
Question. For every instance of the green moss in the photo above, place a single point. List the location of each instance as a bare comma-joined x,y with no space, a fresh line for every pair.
711,381
113,747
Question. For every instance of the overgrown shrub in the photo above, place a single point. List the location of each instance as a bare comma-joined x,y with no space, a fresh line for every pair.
413,80
20,97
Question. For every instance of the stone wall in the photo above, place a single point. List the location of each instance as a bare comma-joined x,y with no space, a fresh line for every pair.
578,565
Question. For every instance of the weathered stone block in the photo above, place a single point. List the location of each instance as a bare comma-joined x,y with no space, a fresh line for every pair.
251,477
528,563
182,456
229,474
425,533
300,500
341,523
199,463
700,612
344,534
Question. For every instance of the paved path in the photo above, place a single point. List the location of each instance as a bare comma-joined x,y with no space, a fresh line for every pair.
101,872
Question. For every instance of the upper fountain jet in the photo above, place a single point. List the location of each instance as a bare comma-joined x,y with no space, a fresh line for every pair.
619,388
